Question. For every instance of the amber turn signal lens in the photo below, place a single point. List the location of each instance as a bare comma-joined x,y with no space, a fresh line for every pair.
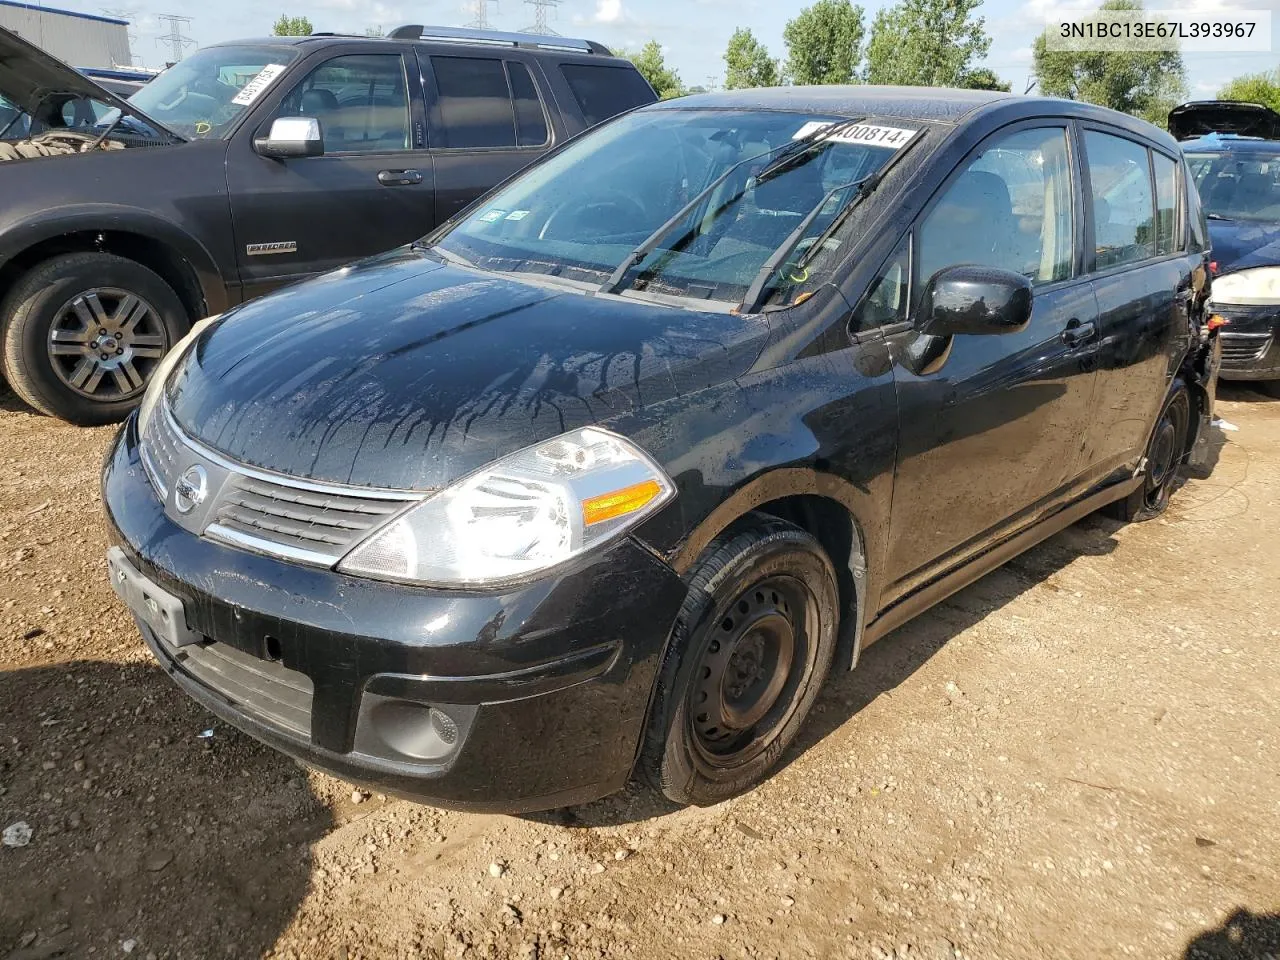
619,503
1216,321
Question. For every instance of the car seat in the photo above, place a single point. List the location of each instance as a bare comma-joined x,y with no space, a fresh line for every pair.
323,106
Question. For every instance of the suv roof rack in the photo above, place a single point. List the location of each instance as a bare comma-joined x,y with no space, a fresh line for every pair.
416,31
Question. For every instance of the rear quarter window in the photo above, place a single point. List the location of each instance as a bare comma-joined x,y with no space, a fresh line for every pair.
603,92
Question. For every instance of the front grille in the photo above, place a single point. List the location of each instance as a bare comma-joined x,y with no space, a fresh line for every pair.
268,691
307,520
1244,347
302,520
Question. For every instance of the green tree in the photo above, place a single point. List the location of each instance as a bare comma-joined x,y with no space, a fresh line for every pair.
824,43
926,43
748,62
1145,83
288,26
1255,88
983,78
653,67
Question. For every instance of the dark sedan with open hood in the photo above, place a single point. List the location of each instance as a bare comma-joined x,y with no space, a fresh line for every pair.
1233,152
604,476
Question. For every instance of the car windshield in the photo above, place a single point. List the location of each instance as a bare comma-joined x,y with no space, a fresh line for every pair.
706,204
1238,185
202,96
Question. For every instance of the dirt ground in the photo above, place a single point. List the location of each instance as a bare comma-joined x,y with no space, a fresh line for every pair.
1077,757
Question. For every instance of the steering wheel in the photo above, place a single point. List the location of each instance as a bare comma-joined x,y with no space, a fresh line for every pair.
607,200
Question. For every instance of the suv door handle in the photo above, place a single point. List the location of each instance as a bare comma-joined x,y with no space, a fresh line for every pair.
399,178
1077,332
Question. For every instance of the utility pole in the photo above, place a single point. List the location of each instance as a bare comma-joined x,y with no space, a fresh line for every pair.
174,37
481,10
540,10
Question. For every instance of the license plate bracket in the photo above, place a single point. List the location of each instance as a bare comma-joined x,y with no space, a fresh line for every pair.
157,609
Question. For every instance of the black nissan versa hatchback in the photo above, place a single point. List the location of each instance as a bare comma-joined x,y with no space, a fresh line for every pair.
605,475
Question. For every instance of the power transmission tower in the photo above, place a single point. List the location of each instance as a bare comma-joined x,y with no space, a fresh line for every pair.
481,10
130,14
540,8
174,37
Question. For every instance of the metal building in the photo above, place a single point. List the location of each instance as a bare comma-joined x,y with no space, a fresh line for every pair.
80,39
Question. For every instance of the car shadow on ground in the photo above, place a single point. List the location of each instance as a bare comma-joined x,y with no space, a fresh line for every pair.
1243,936
141,829
1242,391
885,665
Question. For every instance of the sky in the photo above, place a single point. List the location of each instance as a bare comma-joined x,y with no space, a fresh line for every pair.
693,33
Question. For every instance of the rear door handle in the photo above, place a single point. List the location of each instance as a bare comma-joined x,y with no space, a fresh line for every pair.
1077,332
399,178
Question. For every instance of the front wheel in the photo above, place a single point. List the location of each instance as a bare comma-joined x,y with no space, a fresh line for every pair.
1165,453
84,332
751,650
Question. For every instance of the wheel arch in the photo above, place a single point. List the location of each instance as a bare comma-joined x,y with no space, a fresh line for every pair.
163,247
833,511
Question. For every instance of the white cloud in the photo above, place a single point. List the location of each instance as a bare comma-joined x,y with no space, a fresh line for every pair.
608,11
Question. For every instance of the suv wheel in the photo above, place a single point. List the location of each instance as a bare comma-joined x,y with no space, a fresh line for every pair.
750,651
84,332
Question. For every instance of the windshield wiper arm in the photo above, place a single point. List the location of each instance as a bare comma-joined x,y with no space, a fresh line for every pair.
1217,216
792,150
863,186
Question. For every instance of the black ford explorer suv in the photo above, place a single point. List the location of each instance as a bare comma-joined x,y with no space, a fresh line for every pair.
605,476
246,166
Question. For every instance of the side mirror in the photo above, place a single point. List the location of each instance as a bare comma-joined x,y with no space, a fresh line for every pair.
975,300
291,137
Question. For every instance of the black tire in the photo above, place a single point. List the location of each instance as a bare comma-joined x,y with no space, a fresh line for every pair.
757,590
1166,452
44,297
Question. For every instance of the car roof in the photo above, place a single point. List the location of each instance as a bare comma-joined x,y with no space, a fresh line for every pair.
915,103
1218,142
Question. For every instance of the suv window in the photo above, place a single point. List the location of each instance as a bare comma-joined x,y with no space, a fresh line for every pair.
1166,171
474,103
1010,207
361,101
603,92
1123,203
531,118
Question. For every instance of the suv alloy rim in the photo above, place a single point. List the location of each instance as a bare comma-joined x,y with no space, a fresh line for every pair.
105,342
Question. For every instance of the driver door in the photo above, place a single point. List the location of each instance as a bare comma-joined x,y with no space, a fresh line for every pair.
371,190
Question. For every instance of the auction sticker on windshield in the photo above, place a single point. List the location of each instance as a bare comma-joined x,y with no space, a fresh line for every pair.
254,88
871,134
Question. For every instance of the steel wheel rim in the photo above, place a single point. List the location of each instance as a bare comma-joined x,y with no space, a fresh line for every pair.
747,684
1162,460
104,343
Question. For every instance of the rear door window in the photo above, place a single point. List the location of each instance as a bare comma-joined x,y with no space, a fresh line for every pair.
1166,172
1123,200
604,92
473,103
531,118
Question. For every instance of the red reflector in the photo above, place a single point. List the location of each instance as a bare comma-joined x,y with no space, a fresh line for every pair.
1216,321
1213,266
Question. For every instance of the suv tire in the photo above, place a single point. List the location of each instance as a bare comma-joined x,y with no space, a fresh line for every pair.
93,319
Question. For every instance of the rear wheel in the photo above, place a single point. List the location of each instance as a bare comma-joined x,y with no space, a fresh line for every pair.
84,332
752,647
1165,453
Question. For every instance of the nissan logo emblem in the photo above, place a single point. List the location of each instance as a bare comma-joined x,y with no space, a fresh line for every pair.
191,489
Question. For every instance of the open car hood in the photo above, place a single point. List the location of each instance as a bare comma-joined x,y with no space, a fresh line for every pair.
28,75
1224,116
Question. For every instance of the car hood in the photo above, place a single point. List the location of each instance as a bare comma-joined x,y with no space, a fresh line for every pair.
29,74
1224,116
1241,244
402,372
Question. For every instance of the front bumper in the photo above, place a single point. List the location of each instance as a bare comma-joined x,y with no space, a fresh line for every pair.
528,699
1250,342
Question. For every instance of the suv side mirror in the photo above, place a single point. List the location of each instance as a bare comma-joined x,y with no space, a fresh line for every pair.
291,137
975,300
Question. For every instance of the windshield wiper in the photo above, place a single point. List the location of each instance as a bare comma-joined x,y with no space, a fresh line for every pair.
755,293
789,153
1217,216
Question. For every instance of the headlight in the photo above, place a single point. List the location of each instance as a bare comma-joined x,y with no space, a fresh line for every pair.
519,516
155,389
1260,285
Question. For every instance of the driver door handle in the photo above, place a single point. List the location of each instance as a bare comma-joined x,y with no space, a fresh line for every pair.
1077,332
399,178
